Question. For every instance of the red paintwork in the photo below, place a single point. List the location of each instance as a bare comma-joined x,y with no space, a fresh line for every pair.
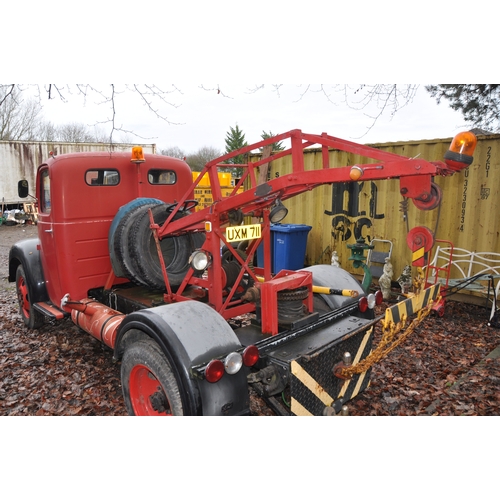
284,280
22,292
99,320
74,235
415,182
143,384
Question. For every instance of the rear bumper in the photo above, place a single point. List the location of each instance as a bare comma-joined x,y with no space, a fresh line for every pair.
310,361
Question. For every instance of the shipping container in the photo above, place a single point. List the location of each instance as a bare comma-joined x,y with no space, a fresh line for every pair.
19,160
339,214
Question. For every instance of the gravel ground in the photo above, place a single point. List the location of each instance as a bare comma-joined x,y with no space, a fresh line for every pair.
448,366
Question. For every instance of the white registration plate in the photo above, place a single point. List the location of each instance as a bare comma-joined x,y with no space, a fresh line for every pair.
240,233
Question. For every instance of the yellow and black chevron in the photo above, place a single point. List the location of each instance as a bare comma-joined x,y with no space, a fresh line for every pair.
313,385
412,305
418,257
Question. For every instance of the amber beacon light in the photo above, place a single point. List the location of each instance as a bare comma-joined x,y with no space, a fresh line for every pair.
137,155
459,156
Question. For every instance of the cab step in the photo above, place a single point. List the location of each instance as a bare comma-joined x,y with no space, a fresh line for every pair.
50,311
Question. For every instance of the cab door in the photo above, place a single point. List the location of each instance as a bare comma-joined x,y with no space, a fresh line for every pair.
46,234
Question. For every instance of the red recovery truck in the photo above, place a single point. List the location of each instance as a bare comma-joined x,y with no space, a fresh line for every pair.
121,252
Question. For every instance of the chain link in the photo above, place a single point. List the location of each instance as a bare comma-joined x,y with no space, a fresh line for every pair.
388,342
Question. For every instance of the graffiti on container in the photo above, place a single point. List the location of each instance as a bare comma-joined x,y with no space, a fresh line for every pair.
349,223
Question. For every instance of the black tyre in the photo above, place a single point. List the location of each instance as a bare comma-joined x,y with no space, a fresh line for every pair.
148,381
32,318
117,234
127,266
143,251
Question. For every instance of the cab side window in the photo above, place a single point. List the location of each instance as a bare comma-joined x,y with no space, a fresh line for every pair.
45,204
157,176
102,177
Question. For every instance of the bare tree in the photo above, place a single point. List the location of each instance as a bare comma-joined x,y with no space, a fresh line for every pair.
174,152
378,99
374,100
74,132
19,119
199,159
154,98
47,131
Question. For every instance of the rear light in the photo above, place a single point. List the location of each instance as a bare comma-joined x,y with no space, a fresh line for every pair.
233,363
374,299
250,355
363,304
214,370
459,156
371,301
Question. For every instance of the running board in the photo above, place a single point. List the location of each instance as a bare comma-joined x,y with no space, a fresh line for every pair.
50,311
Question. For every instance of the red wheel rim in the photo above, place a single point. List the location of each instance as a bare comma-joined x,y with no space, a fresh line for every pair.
22,296
146,393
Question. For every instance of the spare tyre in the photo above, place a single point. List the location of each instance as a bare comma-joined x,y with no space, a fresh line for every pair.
119,236
175,250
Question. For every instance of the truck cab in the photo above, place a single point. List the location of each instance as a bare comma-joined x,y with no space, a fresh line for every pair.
79,195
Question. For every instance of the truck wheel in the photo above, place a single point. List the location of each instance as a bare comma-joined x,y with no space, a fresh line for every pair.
149,384
32,319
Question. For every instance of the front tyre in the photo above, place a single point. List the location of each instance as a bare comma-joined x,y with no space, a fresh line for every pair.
32,318
149,384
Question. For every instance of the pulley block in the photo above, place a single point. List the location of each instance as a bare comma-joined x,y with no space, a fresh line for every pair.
432,201
420,240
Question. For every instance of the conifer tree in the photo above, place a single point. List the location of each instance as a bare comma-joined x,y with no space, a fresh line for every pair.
235,139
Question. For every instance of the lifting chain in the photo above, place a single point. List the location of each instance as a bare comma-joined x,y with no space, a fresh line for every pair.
388,342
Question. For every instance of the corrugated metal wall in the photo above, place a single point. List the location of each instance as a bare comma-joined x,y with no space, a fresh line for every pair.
20,160
338,214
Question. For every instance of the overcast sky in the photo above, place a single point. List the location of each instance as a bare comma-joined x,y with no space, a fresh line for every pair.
199,116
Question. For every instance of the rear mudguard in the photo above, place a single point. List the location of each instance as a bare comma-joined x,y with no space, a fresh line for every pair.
27,254
191,333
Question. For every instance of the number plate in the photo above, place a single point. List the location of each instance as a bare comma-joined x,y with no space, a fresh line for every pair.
240,233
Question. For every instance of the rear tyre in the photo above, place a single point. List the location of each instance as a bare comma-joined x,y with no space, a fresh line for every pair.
148,381
32,318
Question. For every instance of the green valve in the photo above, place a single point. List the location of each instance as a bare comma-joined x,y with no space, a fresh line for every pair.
358,260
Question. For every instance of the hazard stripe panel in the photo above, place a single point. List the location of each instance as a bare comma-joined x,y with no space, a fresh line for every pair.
313,385
412,305
418,254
